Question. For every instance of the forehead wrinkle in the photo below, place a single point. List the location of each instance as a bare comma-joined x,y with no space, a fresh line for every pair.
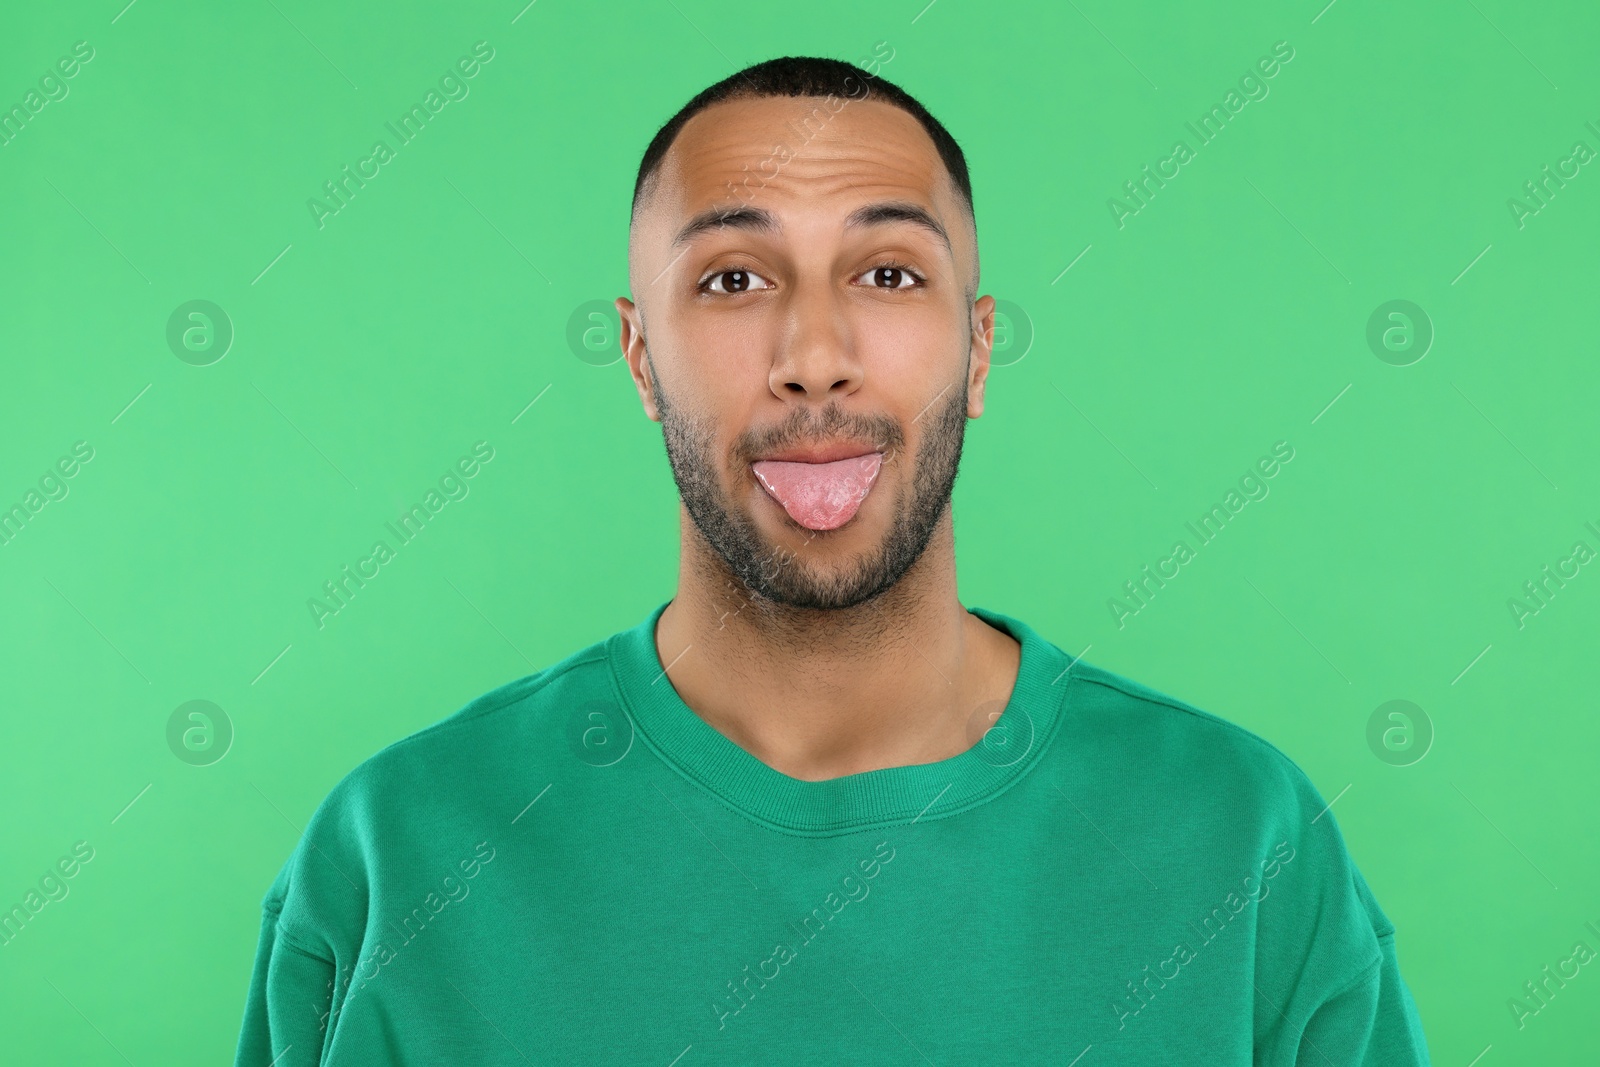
826,173
734,151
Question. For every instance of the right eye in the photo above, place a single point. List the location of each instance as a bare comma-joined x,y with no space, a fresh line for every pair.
735,281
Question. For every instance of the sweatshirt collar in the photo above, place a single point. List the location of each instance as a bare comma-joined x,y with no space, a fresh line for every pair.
1010,746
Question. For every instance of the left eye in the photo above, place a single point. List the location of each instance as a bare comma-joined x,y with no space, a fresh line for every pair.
890,278
736,281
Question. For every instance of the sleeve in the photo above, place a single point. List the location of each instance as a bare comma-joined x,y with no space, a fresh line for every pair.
1372,1021
291,993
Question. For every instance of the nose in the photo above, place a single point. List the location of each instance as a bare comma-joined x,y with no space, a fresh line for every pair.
816,357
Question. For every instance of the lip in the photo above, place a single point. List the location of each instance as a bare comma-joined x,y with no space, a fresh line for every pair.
828,453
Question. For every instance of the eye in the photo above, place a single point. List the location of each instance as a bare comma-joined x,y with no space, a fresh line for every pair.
734,281
892,276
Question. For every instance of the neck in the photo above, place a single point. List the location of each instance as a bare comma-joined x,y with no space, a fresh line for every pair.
908,677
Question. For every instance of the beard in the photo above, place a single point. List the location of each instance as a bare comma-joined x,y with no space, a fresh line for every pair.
774,575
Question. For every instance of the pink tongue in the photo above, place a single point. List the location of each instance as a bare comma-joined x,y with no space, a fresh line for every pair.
820,496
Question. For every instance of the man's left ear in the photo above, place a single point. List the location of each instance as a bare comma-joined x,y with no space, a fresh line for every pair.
982,347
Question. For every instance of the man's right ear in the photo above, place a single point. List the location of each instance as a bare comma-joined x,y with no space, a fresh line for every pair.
632,341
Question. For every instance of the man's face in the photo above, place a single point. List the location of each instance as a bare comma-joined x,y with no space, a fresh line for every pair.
807,326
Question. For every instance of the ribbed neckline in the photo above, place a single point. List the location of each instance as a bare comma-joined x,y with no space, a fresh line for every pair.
890,795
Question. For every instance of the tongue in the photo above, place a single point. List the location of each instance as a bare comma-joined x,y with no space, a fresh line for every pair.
820,496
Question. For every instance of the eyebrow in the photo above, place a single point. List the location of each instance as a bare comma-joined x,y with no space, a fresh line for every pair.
760,220
899,211
744,218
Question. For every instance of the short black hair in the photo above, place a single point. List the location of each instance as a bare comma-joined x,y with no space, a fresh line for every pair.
806,76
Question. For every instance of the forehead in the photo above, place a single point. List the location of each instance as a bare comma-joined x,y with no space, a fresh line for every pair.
776,150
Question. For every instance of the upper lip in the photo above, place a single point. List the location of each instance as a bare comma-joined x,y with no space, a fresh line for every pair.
821,453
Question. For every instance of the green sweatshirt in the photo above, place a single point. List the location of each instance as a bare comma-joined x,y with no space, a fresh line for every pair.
574,868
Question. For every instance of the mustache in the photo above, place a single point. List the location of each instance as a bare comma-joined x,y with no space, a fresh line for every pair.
801,427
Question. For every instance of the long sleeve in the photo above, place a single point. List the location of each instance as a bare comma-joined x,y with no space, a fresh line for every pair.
291,991
1372,1023
1329,987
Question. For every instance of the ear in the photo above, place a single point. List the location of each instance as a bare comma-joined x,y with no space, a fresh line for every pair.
982,347
632,341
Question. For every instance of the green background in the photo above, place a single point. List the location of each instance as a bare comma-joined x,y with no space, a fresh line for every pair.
369,354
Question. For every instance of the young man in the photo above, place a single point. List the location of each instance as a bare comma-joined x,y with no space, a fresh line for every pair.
813,809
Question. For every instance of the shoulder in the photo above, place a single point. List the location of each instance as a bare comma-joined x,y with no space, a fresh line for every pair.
1226,809
428,796
1205,785
508,717
1214,791
1214,784
483,736
1160,737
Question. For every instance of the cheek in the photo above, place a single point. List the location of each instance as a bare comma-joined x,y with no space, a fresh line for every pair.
713,401
736,352
910,354
705,352
715,370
